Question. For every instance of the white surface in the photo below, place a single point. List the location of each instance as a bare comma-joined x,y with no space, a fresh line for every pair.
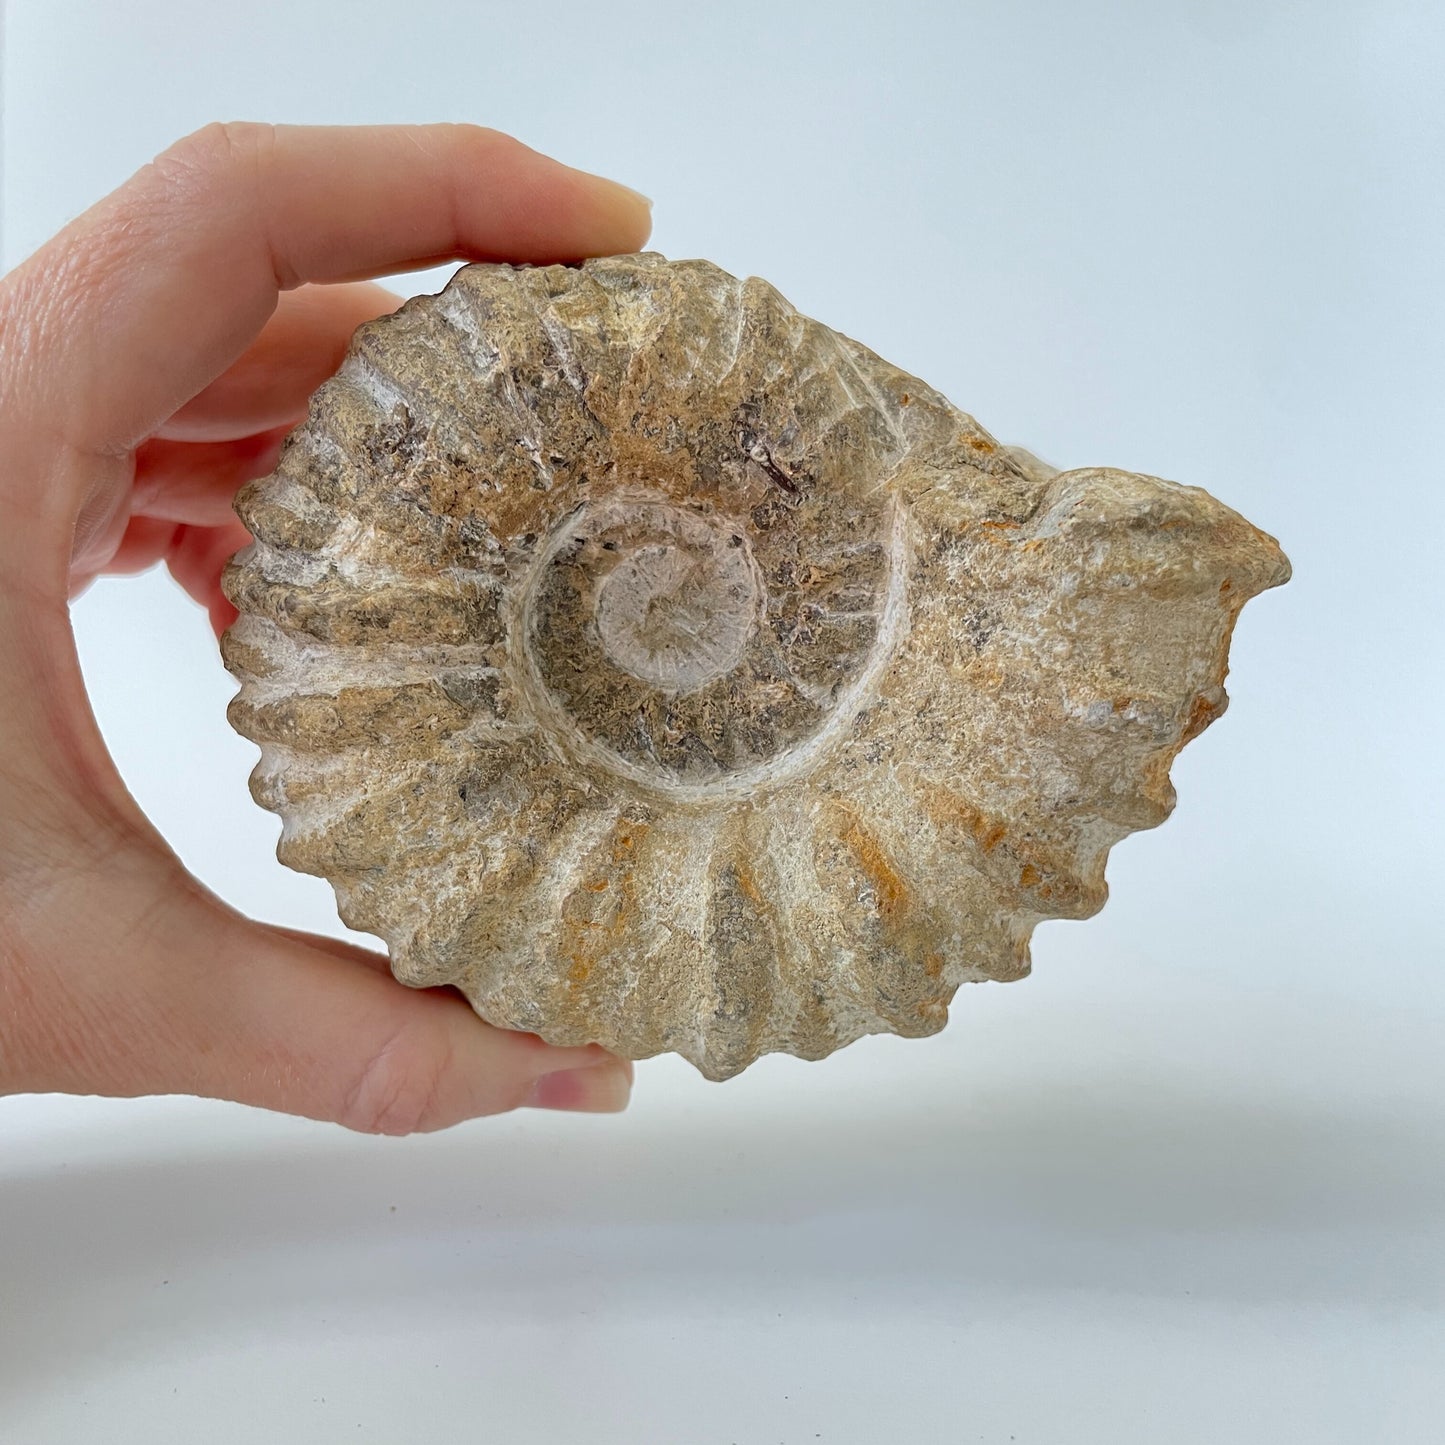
1188,1182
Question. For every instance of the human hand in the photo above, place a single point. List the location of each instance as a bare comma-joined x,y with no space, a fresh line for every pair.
152,358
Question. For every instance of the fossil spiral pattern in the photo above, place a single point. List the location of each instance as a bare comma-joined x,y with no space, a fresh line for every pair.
667,671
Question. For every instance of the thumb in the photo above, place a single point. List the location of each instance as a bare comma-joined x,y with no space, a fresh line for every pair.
190,997
312,1029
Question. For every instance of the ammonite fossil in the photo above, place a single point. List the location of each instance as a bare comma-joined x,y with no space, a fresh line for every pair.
666,670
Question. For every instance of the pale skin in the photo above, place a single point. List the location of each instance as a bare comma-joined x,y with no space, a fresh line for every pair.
153,356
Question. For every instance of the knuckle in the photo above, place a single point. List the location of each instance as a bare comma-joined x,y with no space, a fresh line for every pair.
246,142
396,1091
220,149
483,138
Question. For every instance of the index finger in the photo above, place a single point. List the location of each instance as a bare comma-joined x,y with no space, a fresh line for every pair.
152,293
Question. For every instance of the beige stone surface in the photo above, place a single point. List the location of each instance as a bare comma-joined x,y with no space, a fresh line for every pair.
666,670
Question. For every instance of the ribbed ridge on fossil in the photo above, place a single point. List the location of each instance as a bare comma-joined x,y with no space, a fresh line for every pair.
668,671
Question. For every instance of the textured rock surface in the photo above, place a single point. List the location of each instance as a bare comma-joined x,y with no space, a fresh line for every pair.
668,671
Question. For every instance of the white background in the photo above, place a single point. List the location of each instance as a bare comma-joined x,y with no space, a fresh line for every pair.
1187,1183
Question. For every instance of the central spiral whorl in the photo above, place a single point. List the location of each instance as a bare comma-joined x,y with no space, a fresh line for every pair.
682,646
677,614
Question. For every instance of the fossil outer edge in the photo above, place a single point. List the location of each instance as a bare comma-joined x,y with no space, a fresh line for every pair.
667,671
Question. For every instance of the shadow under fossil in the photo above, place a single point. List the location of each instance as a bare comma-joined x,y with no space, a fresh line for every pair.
1102,1187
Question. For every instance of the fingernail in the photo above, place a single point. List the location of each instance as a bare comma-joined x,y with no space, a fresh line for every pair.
646,200
596,1089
